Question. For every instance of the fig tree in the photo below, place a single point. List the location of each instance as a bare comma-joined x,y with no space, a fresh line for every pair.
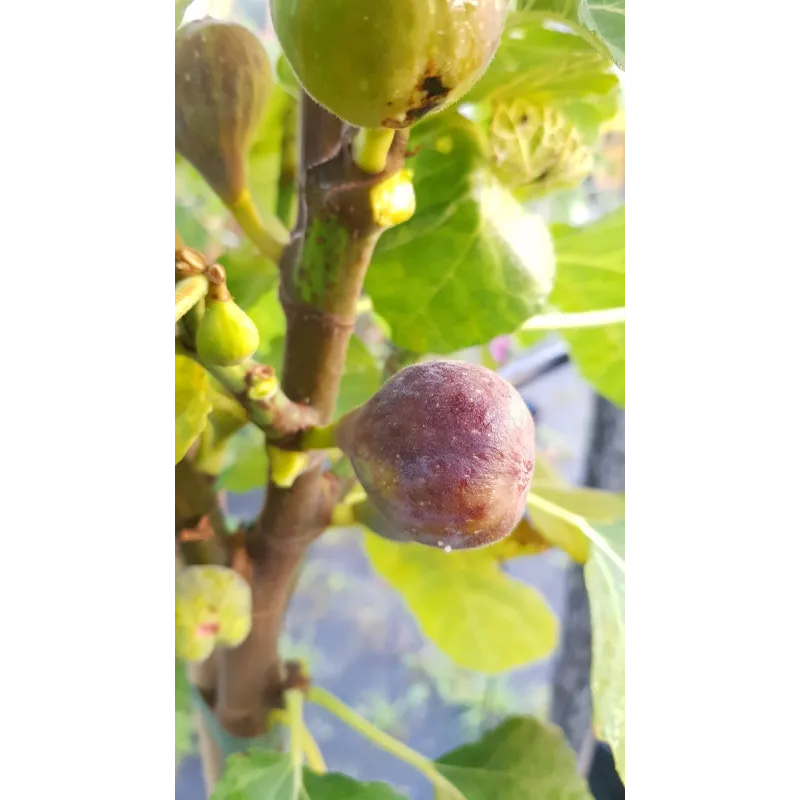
387,63
444,452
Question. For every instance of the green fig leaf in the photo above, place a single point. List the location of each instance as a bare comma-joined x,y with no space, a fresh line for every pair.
245,461
361,379
591,504
248,274
192,405
591,276
200,216
180,10
591,264
524,540
549,64
477,615
472,262
183,714
268,316
190,228
286,77
599,355
523,759
545,471
266,775
566,8
264,163
560,531
605,582
606,18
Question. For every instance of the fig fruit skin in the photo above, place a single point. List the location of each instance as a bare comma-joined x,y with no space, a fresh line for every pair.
213,607
226,335
388,63
223,81
445,452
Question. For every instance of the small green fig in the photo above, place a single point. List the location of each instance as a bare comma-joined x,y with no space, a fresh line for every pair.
222,84
445,454
225,335
387,63
213,608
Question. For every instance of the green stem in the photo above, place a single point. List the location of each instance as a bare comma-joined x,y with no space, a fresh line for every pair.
388,743
320,438
287,204
188,293
267,234
275,414
313,755
311,750
535,501
371,147
580,319
294,709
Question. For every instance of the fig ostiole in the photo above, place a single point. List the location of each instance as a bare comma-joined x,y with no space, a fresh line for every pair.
445,454
225,334
403,60
213,608
223,81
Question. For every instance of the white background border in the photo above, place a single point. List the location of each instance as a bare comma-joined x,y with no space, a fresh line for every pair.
712,430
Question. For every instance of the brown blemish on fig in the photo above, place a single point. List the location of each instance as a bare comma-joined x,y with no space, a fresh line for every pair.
430,92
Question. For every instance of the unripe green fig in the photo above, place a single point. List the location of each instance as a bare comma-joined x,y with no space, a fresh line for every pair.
444,452
387,63
225,335
536,148
213,608
222,84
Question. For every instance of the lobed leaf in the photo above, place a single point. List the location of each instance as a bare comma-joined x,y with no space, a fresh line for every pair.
266,775
590,276
472,262
548,60
603,19
606,18
594,505
605,582
476,614
245,466
192,405
523,759
361,378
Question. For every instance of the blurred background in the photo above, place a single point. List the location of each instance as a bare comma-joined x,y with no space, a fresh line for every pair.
352,629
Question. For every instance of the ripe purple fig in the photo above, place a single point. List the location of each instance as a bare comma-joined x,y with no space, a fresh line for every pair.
445,452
